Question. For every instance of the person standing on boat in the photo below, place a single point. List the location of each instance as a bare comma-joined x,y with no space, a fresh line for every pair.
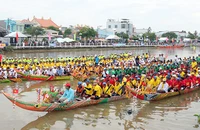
68,95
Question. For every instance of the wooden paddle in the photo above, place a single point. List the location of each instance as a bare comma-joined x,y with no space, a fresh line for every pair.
16,80
50,78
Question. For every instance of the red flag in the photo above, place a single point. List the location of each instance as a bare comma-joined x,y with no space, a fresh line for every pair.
1,58
17,37
15,91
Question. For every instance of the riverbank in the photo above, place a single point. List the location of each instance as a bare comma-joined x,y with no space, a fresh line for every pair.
78,48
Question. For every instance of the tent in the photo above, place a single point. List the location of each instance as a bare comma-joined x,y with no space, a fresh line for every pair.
60,40
113,37
68,40
163,39
186,40
13,35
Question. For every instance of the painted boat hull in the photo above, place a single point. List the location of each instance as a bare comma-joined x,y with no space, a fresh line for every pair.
12,80
43,78
159,96
44,107
175,46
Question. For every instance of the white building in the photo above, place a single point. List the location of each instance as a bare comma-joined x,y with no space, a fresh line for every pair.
123,25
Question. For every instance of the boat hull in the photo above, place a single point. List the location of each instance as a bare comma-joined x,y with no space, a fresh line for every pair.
175,46
160,96
44,107
43,78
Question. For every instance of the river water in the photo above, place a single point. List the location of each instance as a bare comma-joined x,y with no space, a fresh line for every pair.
175,113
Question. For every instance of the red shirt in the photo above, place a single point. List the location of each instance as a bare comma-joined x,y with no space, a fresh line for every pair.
112,81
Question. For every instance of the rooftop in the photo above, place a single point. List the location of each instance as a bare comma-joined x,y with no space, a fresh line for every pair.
45,23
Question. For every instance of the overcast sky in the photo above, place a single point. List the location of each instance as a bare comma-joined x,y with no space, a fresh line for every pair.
174,15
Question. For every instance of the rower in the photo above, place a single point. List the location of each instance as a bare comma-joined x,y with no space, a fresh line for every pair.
163,86
68,95
79,89
107,88
88,90
97,91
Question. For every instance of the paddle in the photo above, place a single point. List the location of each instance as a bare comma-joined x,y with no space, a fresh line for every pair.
16,80
50,78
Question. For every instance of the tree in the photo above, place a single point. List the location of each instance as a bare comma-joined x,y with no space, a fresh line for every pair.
192,36
35,31
135,37
55,29
87,32
151,36
67,32
169,35
123,35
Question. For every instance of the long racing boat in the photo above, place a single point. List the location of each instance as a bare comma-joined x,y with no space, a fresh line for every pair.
159,96
48,107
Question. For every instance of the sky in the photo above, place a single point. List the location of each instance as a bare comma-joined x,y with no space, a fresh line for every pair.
160,15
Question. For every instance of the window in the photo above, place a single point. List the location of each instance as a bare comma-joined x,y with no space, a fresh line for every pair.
123,26
115,26
109,26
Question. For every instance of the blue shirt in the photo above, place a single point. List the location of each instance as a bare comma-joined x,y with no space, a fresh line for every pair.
69,94
60,72
96,60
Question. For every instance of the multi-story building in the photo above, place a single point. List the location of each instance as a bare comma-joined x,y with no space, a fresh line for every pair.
123,25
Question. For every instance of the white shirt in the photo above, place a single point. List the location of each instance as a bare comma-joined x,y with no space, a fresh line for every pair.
165,87
5,74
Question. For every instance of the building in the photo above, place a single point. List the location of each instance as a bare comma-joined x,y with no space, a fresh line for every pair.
19,26
123,25
44,23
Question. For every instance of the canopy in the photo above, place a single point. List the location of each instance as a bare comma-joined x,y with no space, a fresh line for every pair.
68,40
13,34
113,37
186,40
60,40
163,39
64,40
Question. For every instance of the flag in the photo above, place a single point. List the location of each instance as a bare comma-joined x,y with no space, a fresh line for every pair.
74,36
49,36
172,40
1,58
15,91
167,39
17,37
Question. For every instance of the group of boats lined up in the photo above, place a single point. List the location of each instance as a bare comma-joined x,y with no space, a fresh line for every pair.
140,76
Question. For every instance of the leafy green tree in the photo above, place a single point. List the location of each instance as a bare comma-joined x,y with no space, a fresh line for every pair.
55,29
87,32
192,36
123,35
151,36
170,35
35,31
67,32
135,37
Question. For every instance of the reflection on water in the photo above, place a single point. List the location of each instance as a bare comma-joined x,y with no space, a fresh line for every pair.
74,53
173,113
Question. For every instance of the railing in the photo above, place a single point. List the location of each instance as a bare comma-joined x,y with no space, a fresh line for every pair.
91,45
